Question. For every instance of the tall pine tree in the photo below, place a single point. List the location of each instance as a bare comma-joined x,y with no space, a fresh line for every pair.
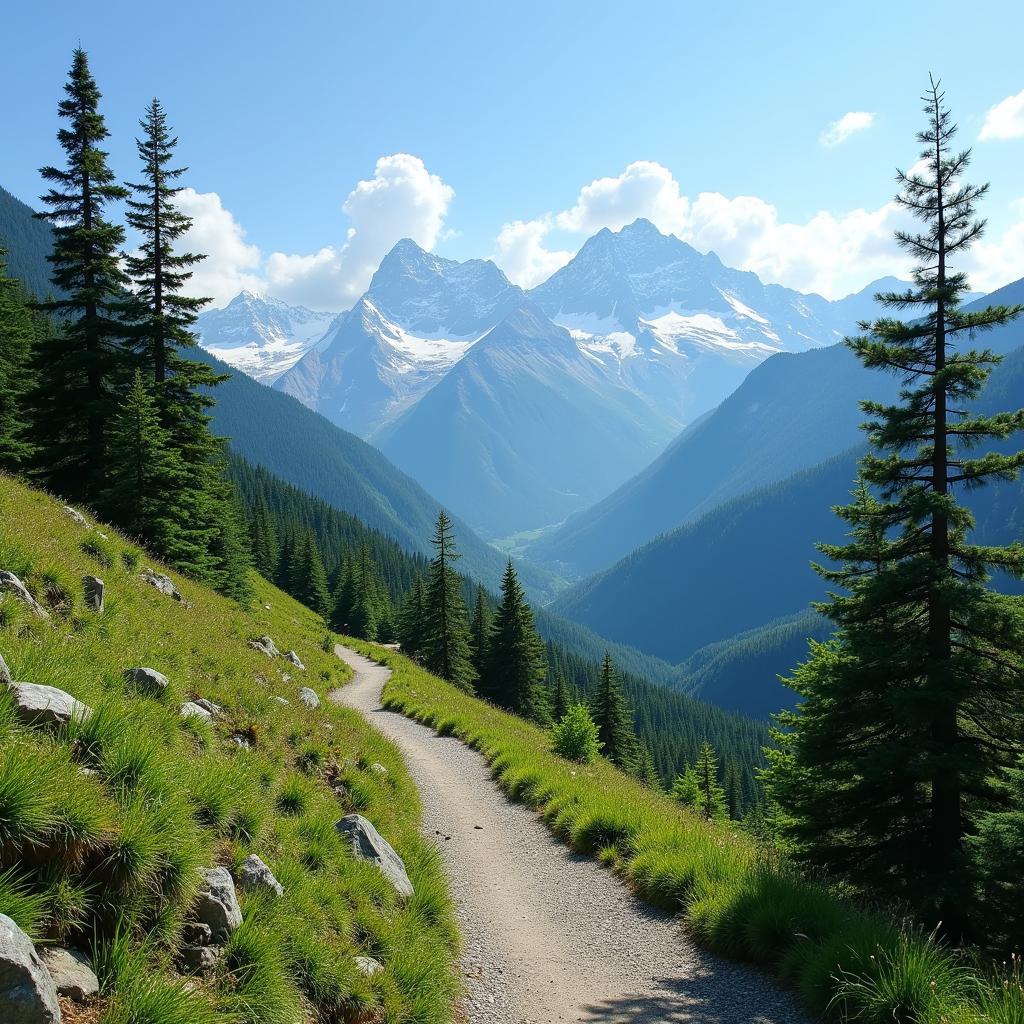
516,661
480,630
83,362
911,711
412,620
614,719
446,646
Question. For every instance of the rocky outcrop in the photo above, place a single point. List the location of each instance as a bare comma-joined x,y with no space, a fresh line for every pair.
94,589
12,585
162,583
309,697
72,973
148,680
266,646
294,659
190,709
254,874
75,516
207,705
217,904
369,845
35,704
27,992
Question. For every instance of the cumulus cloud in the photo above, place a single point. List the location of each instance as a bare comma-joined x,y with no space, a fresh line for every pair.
1005,120
850,123
998,261
402,200
520,252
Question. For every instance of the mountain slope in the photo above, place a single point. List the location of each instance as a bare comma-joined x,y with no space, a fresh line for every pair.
28,242
524,429
260,336
792,411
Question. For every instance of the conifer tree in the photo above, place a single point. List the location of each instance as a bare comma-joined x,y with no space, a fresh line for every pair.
711,795
480,629
145,471
265,549
412,617
17,337
561,700
912,709
307,576
446,645
83,362
614,719
516,661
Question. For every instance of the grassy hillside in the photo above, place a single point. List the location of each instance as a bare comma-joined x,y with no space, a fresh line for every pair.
105,823
846,962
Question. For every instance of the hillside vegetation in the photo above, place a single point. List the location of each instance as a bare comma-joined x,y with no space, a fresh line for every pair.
744,901
106,822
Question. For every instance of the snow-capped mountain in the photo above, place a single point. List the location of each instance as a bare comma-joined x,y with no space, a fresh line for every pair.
261,336
419,317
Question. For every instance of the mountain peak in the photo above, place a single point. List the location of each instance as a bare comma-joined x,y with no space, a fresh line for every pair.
641,228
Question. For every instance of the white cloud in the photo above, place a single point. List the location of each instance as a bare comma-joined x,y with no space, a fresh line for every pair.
1005,120
402,200
850,123
644,189
998,261
520,252
231,264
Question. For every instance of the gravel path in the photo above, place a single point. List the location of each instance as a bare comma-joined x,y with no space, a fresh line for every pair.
549,936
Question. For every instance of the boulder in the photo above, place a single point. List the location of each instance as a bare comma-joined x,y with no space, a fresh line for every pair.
207,705
27,992
162,583
199,959
369,845
147,679
294,659
75,516
217,903
266,646
5,673
195,934
93,592
71,972
35,704
190,709
254,874
309,697
13,585
368,966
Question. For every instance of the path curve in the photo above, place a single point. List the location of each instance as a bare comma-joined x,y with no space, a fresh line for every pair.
550,936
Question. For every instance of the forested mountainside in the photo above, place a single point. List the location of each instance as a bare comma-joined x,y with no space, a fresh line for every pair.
28,242
792,412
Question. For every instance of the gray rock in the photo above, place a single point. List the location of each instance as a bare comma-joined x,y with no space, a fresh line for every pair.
369,845
5,673
217,903
195,934
35,704
294,659
368,966
199,959
282,701
71,972
13,585
27,992
309,697
162,583
75,516
207,705
266,646
242,741
254,874
93,592
147,679
378,769
190,709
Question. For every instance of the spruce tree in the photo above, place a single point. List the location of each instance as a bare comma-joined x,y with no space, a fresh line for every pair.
307,578
614,719
145,471
516,661
83,362
412,618
266,552
914,707
17,337
561,700
711,799
446,645
480,629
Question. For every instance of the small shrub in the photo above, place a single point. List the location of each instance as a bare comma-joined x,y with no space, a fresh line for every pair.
575,736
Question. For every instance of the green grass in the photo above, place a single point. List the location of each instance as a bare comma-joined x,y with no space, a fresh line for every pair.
103,825
845,962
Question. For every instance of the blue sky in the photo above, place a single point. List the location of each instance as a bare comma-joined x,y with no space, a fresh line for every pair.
490,115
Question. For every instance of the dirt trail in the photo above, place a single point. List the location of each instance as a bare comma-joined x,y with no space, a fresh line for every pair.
550,936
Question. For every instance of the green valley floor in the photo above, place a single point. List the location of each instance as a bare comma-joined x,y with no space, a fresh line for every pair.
549,935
